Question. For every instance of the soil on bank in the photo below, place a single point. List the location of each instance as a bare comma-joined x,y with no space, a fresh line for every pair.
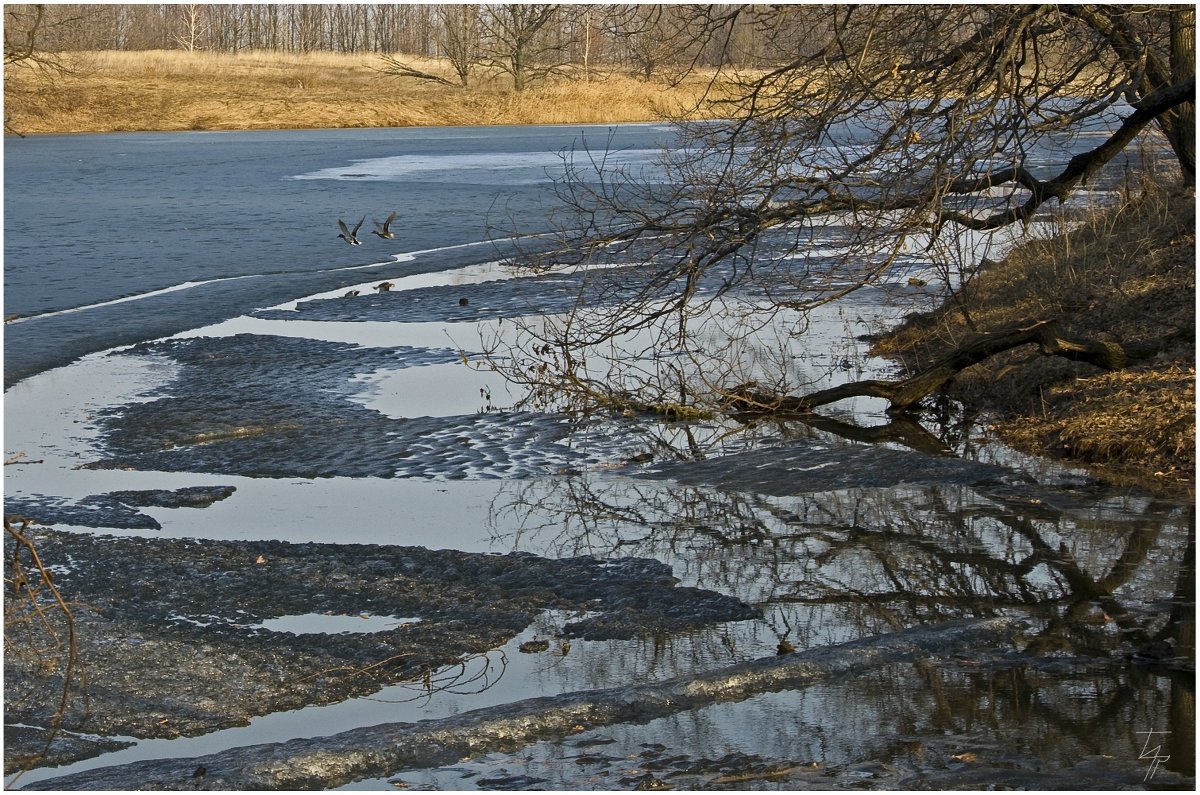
1126,275
178,90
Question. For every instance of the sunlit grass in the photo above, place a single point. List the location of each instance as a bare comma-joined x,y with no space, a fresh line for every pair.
180,90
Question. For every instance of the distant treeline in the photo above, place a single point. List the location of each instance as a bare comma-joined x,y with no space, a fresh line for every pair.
638,37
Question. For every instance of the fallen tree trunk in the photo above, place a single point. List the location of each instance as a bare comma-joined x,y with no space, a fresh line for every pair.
907,392
397,68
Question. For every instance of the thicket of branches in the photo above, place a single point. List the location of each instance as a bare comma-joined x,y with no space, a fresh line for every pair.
642,37
893,134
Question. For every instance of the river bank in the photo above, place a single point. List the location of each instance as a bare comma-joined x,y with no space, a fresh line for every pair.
1125,275
178,90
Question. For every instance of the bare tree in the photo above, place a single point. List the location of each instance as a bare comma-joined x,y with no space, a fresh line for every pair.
460,37
523,41
383,23
26,29
346,30
191,19
1182,119
309,22
23,25
672,39
591,40
639,31
891,127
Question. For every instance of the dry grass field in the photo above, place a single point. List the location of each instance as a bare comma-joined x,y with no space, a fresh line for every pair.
177,90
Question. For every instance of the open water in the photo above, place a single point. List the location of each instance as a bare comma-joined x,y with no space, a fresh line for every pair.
201,227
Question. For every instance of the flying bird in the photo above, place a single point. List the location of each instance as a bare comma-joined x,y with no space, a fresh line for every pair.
350,294
385,231
383,287
347,235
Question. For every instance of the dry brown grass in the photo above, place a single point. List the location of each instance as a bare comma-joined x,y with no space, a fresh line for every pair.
1143,420
176,90
1126,274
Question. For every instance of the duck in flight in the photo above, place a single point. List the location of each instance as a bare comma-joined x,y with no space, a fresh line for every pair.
347,235
383,287
385,231
350,294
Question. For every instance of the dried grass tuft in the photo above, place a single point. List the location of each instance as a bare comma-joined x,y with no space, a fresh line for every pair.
1124,419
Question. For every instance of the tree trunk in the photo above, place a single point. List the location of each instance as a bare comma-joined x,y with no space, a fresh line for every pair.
1183,65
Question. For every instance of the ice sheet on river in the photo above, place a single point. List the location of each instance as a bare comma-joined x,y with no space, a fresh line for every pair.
388,748
149,609
892,693
555,292
801,468
268,406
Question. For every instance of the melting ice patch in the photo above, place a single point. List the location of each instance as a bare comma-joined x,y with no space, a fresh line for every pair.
503,168
523,168
322,623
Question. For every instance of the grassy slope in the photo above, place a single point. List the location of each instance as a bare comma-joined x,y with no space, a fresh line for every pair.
1125,274
175,90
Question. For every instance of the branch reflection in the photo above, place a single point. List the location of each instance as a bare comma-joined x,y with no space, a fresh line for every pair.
1096,573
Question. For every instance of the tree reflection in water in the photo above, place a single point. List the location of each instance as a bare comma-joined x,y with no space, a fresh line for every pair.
1103,579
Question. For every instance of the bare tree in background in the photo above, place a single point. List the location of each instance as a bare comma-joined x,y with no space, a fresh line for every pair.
884,129
525,41
460,37
191,20
644,38
457,36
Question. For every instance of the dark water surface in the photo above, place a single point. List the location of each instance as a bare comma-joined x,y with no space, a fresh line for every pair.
337,436
250,218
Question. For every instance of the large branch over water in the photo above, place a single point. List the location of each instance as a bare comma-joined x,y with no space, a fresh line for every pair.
907,392
1078,170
